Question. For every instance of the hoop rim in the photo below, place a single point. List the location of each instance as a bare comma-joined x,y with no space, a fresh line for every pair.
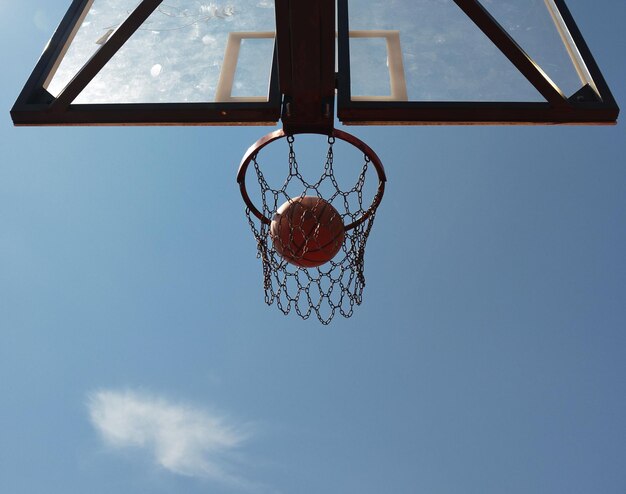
369,153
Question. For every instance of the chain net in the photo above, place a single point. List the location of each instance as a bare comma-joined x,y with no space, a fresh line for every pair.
333,287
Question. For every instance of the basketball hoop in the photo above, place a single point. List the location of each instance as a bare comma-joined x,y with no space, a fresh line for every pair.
311,235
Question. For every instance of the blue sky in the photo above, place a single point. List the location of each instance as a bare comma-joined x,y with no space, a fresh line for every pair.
137,354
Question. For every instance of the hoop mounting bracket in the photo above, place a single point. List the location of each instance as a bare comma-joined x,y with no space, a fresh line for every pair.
306,57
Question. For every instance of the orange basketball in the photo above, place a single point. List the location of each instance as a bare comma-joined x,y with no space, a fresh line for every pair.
307,231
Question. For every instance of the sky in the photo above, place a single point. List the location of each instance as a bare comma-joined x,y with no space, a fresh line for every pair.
137,354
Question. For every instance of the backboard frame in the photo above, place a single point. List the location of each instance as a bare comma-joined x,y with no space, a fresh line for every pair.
592,105
302,95
36,106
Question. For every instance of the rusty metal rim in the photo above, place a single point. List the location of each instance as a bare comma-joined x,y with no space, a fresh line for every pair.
369,153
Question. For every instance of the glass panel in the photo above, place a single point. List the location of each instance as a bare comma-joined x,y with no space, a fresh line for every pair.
532,25
445,56
371,75
176,56
253,72
99,20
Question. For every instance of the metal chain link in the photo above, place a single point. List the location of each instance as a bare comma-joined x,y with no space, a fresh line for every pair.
336,286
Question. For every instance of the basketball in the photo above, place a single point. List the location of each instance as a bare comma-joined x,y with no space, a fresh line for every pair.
307,231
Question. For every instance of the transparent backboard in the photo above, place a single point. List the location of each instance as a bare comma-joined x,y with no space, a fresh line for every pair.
405,53
157,62
399,61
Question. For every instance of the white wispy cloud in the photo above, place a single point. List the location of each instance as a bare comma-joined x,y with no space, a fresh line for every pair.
180,438
41,20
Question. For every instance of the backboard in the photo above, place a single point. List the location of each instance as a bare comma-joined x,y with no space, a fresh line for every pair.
253,62
155,62
461,61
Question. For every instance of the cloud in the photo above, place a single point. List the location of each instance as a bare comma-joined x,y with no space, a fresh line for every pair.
180,438
41,21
